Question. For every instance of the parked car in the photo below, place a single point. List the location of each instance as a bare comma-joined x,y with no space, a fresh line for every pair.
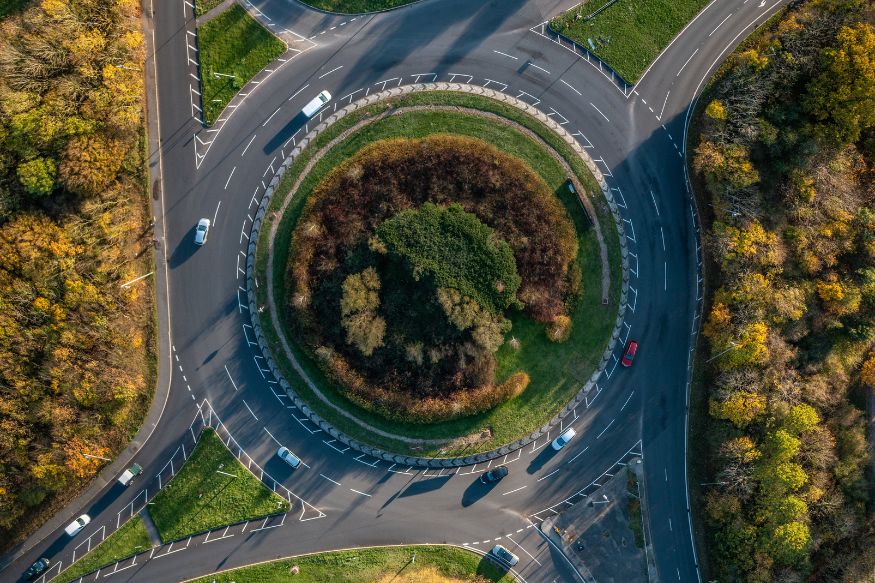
288,457
494,475
629,355
129,474
563,439
77,525
201,232
36,569
505,555
316,103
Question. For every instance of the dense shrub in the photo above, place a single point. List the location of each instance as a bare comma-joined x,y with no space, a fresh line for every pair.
456,250
559,329
394,175
439,223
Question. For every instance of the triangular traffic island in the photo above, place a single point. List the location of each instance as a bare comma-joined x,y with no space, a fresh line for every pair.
212,489
131,538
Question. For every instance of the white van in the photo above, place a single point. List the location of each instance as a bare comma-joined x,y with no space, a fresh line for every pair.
316,104
77,525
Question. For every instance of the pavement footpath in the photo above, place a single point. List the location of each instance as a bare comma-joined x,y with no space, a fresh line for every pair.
596,534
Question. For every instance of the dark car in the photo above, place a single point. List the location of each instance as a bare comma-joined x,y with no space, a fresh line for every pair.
36,569
494,475
629,355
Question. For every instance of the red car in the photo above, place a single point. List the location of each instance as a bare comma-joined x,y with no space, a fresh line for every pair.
629,355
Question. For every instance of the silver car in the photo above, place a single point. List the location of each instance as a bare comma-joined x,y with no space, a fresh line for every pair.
563,439
201,232
505,555
288,457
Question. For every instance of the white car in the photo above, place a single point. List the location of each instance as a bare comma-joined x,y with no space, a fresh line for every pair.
201,232
288,457
77,525
505,555
316,103
563,439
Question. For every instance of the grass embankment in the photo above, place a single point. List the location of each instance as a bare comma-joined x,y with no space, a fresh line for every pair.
201,7
199,497
437,564
557,370
128,540
356,6
629,34
233,44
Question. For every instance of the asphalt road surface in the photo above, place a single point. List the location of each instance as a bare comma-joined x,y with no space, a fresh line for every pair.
343,499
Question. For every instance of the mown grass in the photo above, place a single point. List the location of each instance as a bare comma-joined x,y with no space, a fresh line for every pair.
630,34
380,564
203,6
232,43
559,369
128,540
199,498
355,6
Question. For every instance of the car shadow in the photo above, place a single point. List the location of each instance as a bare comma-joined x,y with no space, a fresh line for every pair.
185,248
288,130
476,491
278,468
491,569
425,486
542,458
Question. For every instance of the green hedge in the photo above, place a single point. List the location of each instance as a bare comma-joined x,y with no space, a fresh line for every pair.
457,250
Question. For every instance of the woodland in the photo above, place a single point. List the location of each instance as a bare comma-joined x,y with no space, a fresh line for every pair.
786,153
76,347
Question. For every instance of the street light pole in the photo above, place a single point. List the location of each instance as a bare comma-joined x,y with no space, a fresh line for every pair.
97,457
731,346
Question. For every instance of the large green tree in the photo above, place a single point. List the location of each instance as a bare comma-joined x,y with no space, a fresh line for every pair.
844,92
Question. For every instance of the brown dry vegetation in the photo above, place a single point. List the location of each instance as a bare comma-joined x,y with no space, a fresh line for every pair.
449,375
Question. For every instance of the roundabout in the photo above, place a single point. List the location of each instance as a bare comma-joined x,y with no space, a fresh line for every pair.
561,370
219,368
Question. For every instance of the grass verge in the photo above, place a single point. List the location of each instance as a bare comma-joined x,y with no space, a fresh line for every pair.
199,497
128,540
557,370
379,564
355,6
201,7
629,34
633,508
236,47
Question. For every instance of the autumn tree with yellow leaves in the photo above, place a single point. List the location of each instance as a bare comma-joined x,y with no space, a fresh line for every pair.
75,372
790,195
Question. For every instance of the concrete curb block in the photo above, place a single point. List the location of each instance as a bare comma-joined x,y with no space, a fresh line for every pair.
395,458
